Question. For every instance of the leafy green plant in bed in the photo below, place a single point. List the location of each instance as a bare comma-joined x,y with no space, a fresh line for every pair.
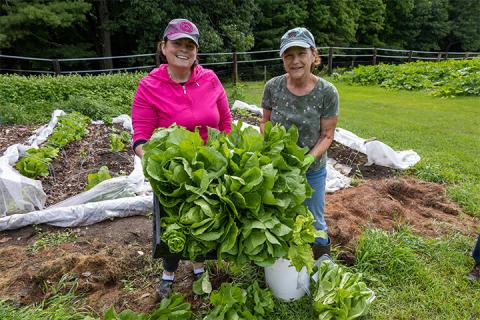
70,127
97,177
36,161
118,141
202,285
241,194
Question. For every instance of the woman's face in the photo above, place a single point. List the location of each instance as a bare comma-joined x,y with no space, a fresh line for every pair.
298,61
180,53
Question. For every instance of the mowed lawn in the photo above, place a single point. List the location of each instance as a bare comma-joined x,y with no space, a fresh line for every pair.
445,132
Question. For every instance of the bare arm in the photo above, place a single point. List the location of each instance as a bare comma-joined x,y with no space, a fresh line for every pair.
139,150
265,118
326,136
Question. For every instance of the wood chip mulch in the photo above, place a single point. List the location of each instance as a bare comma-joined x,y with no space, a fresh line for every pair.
12,134
68,173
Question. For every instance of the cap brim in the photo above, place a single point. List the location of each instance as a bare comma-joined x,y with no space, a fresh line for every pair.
182,36
302,44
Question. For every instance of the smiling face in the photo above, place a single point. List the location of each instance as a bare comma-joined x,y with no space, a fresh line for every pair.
298,61
180,54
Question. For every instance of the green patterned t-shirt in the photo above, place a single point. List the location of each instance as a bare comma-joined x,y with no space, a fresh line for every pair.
302,111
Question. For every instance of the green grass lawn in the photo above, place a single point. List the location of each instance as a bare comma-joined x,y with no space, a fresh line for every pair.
445,132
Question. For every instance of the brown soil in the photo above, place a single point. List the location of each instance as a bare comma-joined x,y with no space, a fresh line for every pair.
392,202
111,260
12,134
79,158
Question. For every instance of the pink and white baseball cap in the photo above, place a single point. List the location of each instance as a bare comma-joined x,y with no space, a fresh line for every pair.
181,28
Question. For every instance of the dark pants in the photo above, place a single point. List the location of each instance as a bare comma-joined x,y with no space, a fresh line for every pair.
170,263
476,252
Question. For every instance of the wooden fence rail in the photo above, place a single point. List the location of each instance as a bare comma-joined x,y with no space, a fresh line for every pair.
332,54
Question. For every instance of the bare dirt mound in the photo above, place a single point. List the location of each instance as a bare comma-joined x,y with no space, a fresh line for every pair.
391,202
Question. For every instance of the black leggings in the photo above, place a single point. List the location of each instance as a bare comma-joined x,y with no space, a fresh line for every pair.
170,262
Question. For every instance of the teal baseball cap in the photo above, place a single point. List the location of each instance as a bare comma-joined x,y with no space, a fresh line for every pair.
296,37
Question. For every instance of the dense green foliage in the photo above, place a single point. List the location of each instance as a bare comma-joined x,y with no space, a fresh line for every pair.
445,78
82,28
32,99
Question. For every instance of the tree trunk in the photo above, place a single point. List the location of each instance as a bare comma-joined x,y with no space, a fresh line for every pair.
104,34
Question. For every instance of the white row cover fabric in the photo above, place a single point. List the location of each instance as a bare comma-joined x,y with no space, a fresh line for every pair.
80,215
237,104
19,194
377,152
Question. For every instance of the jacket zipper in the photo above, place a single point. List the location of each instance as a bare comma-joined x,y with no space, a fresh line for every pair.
184,89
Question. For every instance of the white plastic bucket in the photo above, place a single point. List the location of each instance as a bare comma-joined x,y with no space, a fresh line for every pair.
285,282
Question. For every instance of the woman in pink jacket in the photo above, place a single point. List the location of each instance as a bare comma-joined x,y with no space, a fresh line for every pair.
182,92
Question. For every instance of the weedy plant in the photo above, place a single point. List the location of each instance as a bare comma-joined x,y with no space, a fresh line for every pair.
51,239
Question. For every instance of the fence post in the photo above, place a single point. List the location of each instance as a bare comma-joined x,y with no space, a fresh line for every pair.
235,67
410,54
56,67
330,60
157,59
446,55
264,74
466,56
374,56
439,56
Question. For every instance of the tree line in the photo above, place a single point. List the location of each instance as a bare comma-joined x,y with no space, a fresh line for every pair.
86,28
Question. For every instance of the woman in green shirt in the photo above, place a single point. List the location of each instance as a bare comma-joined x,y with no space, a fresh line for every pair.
310,103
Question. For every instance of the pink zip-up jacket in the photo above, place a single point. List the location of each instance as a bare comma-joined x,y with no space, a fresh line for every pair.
159,102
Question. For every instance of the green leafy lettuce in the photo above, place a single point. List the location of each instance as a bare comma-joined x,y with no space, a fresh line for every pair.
233,302
202,285
339,294
239,194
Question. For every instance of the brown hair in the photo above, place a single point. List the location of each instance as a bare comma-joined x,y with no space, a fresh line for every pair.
317,60
163,59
